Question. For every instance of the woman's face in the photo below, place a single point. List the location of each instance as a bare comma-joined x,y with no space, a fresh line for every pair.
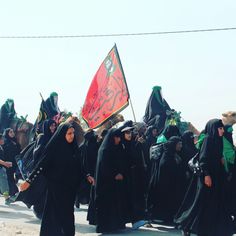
55,99
221,131
128,135
154,133
178,146
11,133
70,134
52,128
117,140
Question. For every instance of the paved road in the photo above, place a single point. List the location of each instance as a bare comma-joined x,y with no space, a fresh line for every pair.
17,219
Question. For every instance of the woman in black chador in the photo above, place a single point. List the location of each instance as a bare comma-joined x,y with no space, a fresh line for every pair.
171,182
109,186
189,150
52,105
11,149
89,155
49,127
151,136
61,167
204,211
33,152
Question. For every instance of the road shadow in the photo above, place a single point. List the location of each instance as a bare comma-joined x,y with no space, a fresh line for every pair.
15,206
153,231
84,228
15,215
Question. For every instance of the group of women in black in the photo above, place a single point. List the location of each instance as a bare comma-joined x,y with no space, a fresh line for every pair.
125,186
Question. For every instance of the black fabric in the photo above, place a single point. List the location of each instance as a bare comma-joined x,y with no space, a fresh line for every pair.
204,210
139,183
7,114
90,158
189,149
171,130
52,109
89,155
135,179
61,166
29,158
110,193
150,139
155,113
42,140
171,183
11,150
88,151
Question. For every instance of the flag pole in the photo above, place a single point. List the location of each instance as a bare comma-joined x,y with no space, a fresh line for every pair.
132,109
118,57
41,95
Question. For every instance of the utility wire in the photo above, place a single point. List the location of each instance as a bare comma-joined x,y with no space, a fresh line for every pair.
115,35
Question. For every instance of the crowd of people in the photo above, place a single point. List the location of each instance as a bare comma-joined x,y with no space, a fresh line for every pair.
134,173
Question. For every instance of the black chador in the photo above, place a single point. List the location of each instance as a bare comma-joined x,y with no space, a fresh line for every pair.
109,187
88,151
89,155
204,210
51,105
171,182
61,167
189,149
7,114
135,177
30,157
150,138
11,149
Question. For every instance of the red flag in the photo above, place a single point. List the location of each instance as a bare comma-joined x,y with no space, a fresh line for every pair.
108,93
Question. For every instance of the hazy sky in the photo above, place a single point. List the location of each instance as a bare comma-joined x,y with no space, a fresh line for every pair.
196,71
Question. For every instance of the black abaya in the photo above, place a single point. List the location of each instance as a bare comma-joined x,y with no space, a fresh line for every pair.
204,210
61,167
109,192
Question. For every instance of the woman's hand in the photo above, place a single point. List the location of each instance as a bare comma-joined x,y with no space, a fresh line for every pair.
24,186
7,164
119,177
208,181
91,180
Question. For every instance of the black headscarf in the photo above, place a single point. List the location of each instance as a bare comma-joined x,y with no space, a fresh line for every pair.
52,108
170,145
212,126
46,128
212,148
7,137
189,149
90,136
108,142
58,140
211,130
150,140
42,140
171,130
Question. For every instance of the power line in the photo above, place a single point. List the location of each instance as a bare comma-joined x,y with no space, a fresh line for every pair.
115,35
